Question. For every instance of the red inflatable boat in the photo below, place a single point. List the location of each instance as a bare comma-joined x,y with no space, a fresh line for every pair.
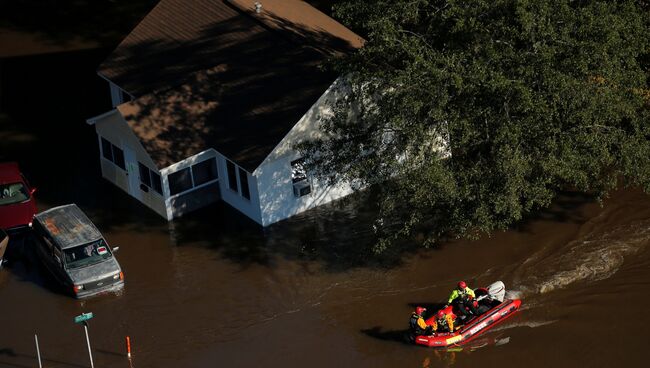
494,309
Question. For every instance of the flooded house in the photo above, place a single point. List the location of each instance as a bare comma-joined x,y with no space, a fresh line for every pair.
209,99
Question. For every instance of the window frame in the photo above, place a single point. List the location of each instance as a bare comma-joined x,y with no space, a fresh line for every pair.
146,174
243,179
158,189
194,186
232,176
213,170
113,149
107,155
177,172
297,166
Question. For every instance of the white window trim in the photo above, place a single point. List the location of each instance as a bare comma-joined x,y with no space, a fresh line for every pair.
193,188
101,152
238,180
239,185
151,180
236,177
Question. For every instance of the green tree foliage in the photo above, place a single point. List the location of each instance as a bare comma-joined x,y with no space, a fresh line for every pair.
532,97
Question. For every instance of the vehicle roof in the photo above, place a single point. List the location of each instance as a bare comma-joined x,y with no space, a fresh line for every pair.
68,226
9,172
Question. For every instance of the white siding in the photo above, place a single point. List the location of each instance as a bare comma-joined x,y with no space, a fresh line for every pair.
276,192
272,197
250,208
275,186
114,129
117,97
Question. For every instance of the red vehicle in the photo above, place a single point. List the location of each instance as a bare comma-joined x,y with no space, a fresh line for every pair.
494,310
17,204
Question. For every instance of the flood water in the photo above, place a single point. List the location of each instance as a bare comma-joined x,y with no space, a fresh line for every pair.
215,290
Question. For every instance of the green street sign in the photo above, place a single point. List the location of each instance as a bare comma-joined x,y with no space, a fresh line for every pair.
83,317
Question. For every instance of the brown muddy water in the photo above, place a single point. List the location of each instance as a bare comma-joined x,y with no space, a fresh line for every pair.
215,290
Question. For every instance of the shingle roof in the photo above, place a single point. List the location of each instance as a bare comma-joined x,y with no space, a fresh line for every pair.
242,79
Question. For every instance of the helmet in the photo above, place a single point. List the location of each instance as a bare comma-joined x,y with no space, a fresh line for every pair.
420,310
462,285
440,314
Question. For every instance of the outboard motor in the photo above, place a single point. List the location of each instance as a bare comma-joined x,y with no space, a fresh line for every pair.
497,291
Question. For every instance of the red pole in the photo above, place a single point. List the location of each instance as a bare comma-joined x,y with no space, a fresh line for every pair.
128,347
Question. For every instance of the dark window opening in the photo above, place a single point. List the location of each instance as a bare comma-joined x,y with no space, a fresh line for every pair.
107,150
144,175
180,181
118,158
232,179
113,154
155,181
205,171
243,180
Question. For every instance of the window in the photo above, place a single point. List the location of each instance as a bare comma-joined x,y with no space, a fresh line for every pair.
243,180
118,158
113,154
180,181
205,171
107,151
149,179
84,255
301,186
145,178
298,172
232,180
155,181
12,193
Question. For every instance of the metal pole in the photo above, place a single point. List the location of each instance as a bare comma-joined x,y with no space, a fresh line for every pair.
88,342
38,352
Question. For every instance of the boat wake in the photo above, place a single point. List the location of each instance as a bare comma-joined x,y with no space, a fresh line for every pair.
595,256
529,324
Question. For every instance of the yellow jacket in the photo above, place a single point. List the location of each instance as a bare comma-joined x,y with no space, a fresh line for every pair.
450,323
456,293
418,325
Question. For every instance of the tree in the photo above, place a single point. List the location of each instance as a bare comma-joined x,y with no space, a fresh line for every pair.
532,97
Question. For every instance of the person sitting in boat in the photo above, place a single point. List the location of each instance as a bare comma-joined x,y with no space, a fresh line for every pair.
443,323
463,297
417,323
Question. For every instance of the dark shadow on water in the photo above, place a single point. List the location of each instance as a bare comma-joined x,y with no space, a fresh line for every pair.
565,208
391,335
8,351
23,262
338,235
7,364
46,362
108,352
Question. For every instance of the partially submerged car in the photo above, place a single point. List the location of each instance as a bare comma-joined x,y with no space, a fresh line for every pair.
75,252
17,204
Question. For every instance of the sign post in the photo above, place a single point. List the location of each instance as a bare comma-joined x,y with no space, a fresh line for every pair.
38,352
83,318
